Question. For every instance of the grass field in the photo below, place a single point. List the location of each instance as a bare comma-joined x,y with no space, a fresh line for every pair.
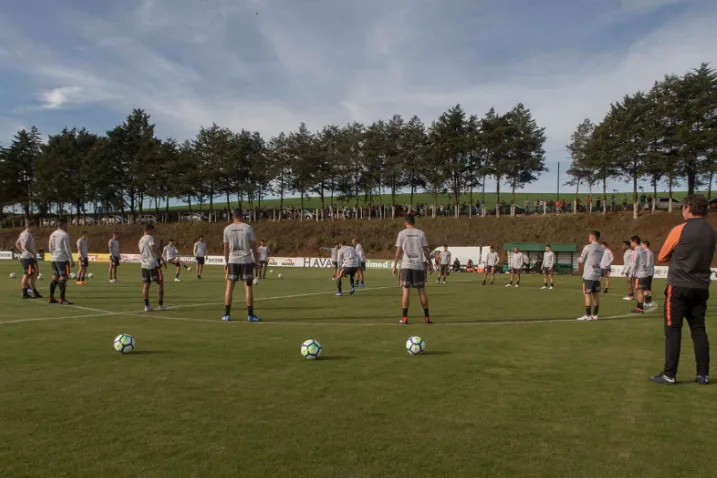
510,384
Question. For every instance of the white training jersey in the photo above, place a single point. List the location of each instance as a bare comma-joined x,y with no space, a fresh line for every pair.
517,260
445,258
590,258
348,257
492,259
59,246
549,260
607,259
82,247
27,245
263,253
627,263
650,262
360,253
169,253
113,247
334,254
240,237
147,258
639,262
412,241
200,249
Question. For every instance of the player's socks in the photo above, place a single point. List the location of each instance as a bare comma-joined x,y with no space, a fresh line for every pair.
227,310
404,312
426,313
24,292
63,287
595,310
587,311
339,284
250,310
641,305
53,286
483,282
146,302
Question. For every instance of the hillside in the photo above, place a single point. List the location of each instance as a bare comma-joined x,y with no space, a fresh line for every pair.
306,238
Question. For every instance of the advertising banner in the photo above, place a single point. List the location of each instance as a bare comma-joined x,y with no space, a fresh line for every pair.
5,255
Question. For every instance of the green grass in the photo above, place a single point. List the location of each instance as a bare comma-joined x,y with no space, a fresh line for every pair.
491,198
510,384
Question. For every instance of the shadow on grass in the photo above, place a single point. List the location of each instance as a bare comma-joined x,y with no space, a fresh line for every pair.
436,352
147,352
336,357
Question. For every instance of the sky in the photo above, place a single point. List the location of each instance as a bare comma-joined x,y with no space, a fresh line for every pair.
269,65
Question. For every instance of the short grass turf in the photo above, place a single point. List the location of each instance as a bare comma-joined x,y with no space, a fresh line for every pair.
510,384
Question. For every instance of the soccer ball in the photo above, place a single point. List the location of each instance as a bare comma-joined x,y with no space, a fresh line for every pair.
124,343
13,275
271,271
281,276
90,275
311,349
415,345
73,275
256,281
40,276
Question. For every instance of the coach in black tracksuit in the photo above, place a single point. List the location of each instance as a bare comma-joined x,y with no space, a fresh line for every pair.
689,248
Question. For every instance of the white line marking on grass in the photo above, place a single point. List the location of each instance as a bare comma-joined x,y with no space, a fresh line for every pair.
45,319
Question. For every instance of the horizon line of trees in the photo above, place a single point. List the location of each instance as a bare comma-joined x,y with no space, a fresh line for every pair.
130,167
665,135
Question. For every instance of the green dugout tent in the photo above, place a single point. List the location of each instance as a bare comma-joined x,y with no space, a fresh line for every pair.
566,255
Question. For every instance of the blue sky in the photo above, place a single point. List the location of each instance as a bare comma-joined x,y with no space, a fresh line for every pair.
267,65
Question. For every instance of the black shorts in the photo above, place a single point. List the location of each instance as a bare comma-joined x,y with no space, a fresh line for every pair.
643,283
29,266
349,271
115,261
174,261
591,286
61,269
84,261
489,268
547,271
240,272
152,275
334,264
445,269
263,263
200,260
516,271
362,266
604,272
413,279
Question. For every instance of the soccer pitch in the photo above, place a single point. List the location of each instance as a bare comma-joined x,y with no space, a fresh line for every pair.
510,383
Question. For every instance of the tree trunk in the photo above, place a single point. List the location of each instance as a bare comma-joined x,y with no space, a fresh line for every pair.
654,194
482,204
635,212
512,200
709,185
669,193
604,196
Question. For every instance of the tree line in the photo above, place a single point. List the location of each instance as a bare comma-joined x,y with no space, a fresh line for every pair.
129,168
667,135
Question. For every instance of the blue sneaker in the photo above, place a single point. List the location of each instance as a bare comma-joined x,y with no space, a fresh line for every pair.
351,292
702,379
227,318
254,318
663,379
339,294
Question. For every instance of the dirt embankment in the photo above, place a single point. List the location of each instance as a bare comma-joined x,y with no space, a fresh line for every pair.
377,236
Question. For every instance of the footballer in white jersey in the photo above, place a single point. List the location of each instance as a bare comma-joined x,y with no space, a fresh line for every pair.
491,264
605,264
362,262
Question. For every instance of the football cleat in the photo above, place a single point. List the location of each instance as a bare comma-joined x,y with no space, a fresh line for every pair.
663,379
253,318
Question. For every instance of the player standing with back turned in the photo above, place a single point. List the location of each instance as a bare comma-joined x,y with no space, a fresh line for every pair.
239,245
548,267
61,257
151,268
590,259
83,258
114,249
412,249
349,264
200,253
689,248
